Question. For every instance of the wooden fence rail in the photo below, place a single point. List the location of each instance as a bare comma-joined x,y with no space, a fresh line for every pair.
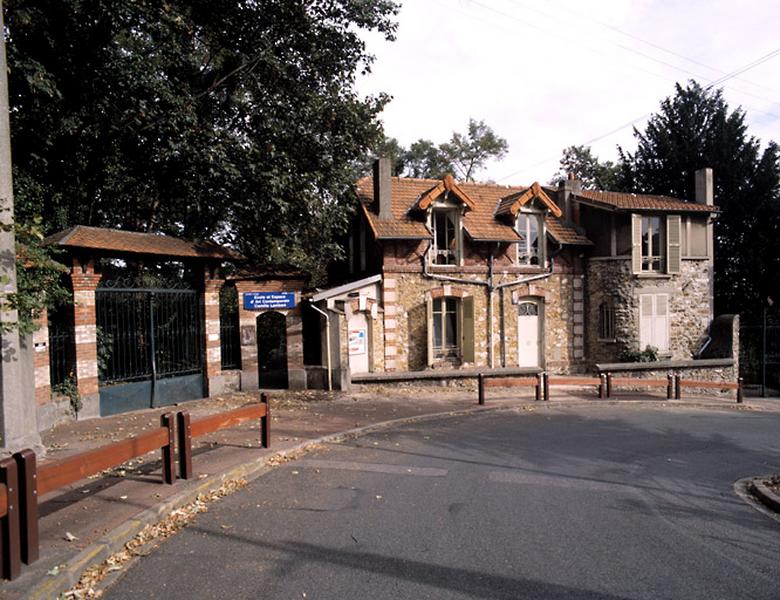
22,482
484,381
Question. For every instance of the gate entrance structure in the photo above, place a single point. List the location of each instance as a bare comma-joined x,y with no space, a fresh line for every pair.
272,350
137,346
149,345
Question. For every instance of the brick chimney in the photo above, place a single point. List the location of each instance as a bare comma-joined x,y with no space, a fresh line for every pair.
382,182
566,189
705,192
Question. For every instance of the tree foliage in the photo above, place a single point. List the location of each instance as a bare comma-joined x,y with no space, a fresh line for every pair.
594,174
694,129
463,156
222,118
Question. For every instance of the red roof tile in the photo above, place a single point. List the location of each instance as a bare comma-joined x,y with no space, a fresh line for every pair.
565,234
628,201
134,242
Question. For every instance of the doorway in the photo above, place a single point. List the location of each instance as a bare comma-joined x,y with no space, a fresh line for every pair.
528,334
272,350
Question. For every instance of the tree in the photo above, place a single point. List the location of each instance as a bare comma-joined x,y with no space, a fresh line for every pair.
462,156
227,119
594,174
468,153
693,129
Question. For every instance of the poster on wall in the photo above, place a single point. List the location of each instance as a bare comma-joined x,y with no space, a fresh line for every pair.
357,341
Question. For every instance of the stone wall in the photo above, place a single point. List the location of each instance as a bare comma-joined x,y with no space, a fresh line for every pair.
689,307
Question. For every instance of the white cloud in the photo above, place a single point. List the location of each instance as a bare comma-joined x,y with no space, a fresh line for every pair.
549,75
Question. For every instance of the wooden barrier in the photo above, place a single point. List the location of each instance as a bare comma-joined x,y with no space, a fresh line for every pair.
497,381
632,382
673,385
10,538
599,382
713,385
189,429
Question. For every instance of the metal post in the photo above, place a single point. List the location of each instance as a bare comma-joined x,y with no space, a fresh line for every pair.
739,390
669,386
168,472
184,434
602,385
481,389
265,422
538,387
153,349
546,381
677,387
609,385
28,504
763,355
10,545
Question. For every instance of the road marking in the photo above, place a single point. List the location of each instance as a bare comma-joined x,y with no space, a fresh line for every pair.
373,467
564,481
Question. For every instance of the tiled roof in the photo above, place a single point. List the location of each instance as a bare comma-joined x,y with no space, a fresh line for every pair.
565,234
512,204
627,201
133,242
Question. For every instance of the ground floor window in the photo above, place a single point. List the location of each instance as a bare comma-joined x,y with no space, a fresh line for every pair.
607,320
445,328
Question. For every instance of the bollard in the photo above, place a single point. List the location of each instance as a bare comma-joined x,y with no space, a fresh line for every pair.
168,472
602,386
669,386
184,435
609,385
265,422
739,390
10,544
538,387
481,389
546,381
28,504
677,387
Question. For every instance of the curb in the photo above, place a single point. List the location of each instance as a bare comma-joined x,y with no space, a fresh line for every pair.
766,496
52,586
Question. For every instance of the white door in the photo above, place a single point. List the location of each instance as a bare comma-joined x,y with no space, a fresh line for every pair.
358,343
528,338
654,321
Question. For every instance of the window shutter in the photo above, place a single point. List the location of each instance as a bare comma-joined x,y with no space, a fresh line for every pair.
467,310
429,321
636,243
673,243
661,323
645,321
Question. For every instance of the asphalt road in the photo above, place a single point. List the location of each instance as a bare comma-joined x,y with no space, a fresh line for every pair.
599,503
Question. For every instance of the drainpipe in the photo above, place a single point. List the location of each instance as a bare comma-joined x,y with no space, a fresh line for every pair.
491,357
327,344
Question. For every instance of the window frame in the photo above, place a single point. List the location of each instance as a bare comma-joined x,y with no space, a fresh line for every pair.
443,351
446,209
650,257
606,321
541,259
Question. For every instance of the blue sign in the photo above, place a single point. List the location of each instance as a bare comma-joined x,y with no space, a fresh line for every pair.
263,300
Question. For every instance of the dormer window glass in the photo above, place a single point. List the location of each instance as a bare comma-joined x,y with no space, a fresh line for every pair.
445,249
530,249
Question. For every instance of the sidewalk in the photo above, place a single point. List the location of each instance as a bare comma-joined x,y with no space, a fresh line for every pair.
99,515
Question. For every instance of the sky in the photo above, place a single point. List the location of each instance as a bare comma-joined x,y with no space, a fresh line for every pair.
550,74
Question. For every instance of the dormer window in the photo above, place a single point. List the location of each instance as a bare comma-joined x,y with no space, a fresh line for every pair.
530,249
445,222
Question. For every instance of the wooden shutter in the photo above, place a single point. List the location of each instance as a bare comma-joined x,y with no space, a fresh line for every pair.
429,321
467,341
645,321
673,243
661,323
636,243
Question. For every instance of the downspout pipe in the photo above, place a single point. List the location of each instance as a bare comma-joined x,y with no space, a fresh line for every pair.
328,361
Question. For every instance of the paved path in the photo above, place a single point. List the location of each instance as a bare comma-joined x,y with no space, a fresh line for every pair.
605,503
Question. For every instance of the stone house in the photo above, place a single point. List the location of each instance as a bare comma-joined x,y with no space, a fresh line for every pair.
450,275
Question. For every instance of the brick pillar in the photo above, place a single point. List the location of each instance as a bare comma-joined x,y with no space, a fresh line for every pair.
40,339
84,281
247,321
578,318
212,284
389,299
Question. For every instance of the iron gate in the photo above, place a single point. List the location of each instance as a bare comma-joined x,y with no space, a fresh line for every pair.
759,354
149,348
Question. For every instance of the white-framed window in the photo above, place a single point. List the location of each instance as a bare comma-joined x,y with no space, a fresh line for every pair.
606,322
445,223
530,248
656,243
652,244
654,321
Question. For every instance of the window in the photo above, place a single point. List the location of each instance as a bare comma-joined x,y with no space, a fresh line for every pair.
530,249
445,328
656,243
450,329
445,237
606,321
654,321
652,254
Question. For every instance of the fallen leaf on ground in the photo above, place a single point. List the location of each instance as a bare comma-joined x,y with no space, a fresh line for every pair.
70,537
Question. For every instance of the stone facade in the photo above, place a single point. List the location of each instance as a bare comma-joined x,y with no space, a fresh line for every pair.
611,279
